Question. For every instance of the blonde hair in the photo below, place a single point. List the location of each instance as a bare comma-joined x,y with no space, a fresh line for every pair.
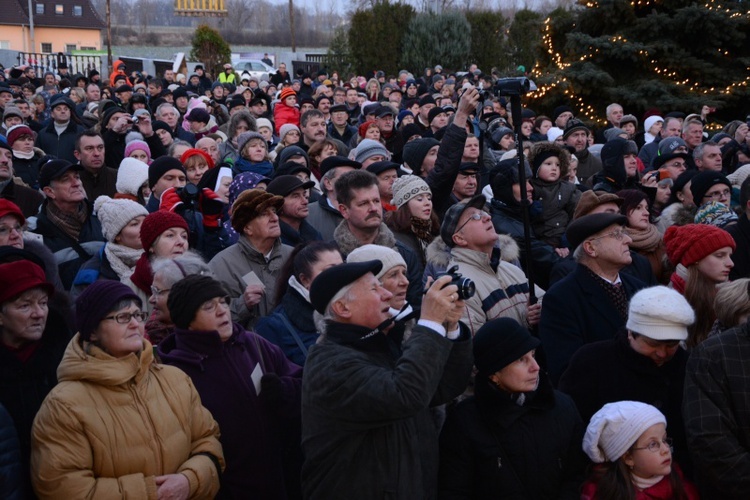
732,302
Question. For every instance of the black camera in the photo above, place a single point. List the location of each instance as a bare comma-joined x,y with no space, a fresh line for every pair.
512,86
466,287
189,194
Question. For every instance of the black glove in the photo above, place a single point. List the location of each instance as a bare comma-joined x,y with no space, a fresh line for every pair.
271,390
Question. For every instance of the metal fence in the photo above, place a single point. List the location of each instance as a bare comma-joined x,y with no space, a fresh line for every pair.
51,62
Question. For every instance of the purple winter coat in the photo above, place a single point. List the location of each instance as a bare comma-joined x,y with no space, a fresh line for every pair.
258,432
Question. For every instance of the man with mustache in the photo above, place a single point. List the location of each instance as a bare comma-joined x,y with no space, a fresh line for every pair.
359,203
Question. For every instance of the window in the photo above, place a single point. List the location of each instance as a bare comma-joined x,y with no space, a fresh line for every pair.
59,9
70,48
40,8
5,44
46,48
77,11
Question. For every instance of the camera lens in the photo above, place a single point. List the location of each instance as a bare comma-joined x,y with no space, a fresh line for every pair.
466,288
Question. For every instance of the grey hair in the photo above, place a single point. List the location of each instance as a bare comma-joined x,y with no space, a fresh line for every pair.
579,254
175,144
321,320
165,106
171,271
611,108
698,151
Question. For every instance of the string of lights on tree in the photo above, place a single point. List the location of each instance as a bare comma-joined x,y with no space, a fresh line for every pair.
587,111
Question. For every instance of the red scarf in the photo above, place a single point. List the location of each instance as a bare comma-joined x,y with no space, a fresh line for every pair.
677,283
23,353
142,277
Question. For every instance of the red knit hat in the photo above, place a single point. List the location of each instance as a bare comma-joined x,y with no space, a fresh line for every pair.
365,127
197,152
286,93
19,276
7,207
688,244
156,223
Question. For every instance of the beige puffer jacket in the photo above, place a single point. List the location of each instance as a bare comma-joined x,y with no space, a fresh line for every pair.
112,425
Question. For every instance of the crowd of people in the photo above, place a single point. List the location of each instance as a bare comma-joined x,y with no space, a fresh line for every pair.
311,286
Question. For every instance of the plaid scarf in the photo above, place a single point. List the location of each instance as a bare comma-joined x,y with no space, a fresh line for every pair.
70,223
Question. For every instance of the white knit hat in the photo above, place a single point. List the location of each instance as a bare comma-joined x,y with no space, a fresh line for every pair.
131,175
263,122
738,176
114,214
389,257
660,313
553,133
369,148
407,187
649,122
616,427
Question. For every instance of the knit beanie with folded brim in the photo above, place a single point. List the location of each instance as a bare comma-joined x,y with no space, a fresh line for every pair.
115,214
690,243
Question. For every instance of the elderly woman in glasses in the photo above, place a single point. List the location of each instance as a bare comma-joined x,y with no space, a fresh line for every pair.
119,424
245,381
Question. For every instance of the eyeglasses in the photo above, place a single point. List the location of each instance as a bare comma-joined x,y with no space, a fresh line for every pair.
124,318
655,446
5,230
717,195
477,216
157,292
211,305
669,344
618,235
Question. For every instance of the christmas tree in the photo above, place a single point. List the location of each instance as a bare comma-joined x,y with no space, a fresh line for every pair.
665,54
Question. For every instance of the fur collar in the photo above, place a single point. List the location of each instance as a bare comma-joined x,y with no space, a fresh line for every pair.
439,254
348,242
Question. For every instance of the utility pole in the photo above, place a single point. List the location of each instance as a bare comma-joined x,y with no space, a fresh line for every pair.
31,28
291,25
109,39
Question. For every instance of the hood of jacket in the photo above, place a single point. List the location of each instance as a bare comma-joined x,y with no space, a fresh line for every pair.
439,254
85,362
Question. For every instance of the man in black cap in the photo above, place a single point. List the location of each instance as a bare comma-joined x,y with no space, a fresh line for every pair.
294,228
339,127
387,172
576,136
27,199
591,303
466,183
394,142
324,214
502,289
66,222
123,93
426,103
58,138
366,426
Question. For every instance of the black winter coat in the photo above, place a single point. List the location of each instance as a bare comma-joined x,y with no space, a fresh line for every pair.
70,255
443,176
11,469
576,312
367,432
492,448
61,146
543,256
23,386
741,256
114,147
27,199
609,371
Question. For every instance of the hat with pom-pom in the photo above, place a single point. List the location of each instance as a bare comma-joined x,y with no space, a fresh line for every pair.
115,214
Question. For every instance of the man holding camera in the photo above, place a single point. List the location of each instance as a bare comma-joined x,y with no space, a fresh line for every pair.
116,123
502,290
367,430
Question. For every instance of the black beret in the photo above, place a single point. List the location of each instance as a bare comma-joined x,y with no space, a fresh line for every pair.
328,283
583,227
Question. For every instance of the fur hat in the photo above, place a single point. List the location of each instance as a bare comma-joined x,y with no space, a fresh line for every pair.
387,256
616,427
407,187
250,204
690,243
540,151
115,214
660,313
